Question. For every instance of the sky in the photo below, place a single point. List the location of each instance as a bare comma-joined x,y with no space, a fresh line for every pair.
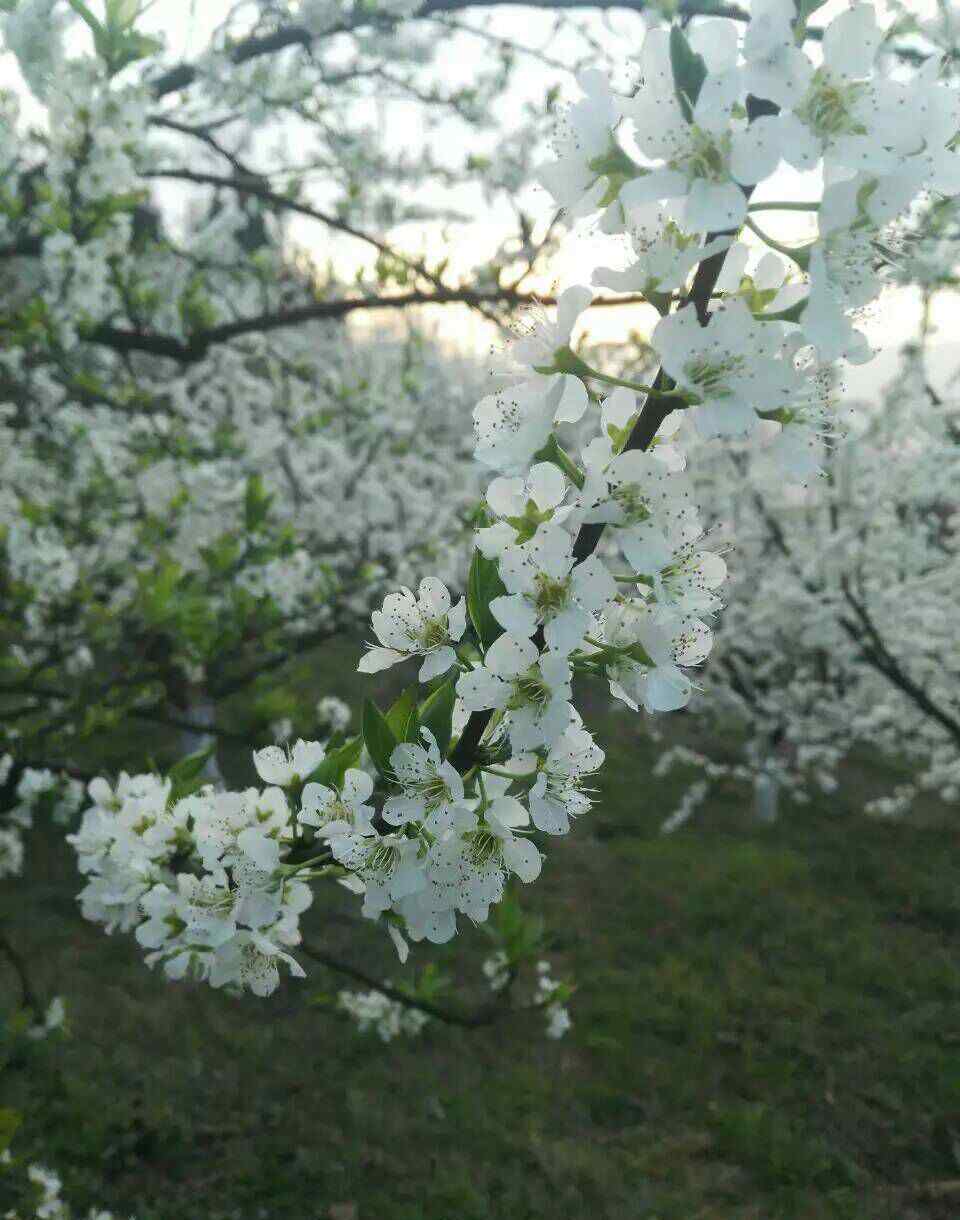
186,26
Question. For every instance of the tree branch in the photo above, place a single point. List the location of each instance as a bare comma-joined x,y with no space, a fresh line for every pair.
466,1020
183,75
29,998
875,652
883,660
189,351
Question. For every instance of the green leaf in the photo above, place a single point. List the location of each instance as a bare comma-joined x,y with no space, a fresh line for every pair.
337,763
85,14
806,8
378,736
121,13
192,765
483,585
256,502
689,71
402,716
436,714
519,935
187,775
134,46
554,452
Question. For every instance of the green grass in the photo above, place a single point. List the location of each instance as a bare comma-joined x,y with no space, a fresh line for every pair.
767,1026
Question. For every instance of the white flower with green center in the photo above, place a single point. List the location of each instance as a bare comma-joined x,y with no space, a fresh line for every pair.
335,812
665,255
259,844
531,687
641,495
251,960
731,368
230,826
700,162
585,148
427,627
776,68
521,505
854,118
163,922
544,586
207,906
683,578
467,872
766,287
557,794
432,788
260,893
618,414
276,765
652,676
514,422
112,896
388,865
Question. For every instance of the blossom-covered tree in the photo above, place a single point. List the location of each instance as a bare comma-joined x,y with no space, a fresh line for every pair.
606,571
843,639
180,404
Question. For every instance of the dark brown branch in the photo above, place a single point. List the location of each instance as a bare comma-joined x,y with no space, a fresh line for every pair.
249,183
883,660
183,75
158,716
189,351
873,649
221,689
28,996
23,247
450,1016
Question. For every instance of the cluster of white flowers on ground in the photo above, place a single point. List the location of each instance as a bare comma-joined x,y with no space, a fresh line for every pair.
391,1014
389,1019
469,777
38,791
52,1020
43,1194
549,995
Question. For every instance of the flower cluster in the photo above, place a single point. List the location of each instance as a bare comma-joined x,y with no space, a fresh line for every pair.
42,1192
389,1019
199,877
592,559
37,792
40,790
549,995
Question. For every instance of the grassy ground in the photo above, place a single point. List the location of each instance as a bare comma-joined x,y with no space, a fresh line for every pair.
767,1026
